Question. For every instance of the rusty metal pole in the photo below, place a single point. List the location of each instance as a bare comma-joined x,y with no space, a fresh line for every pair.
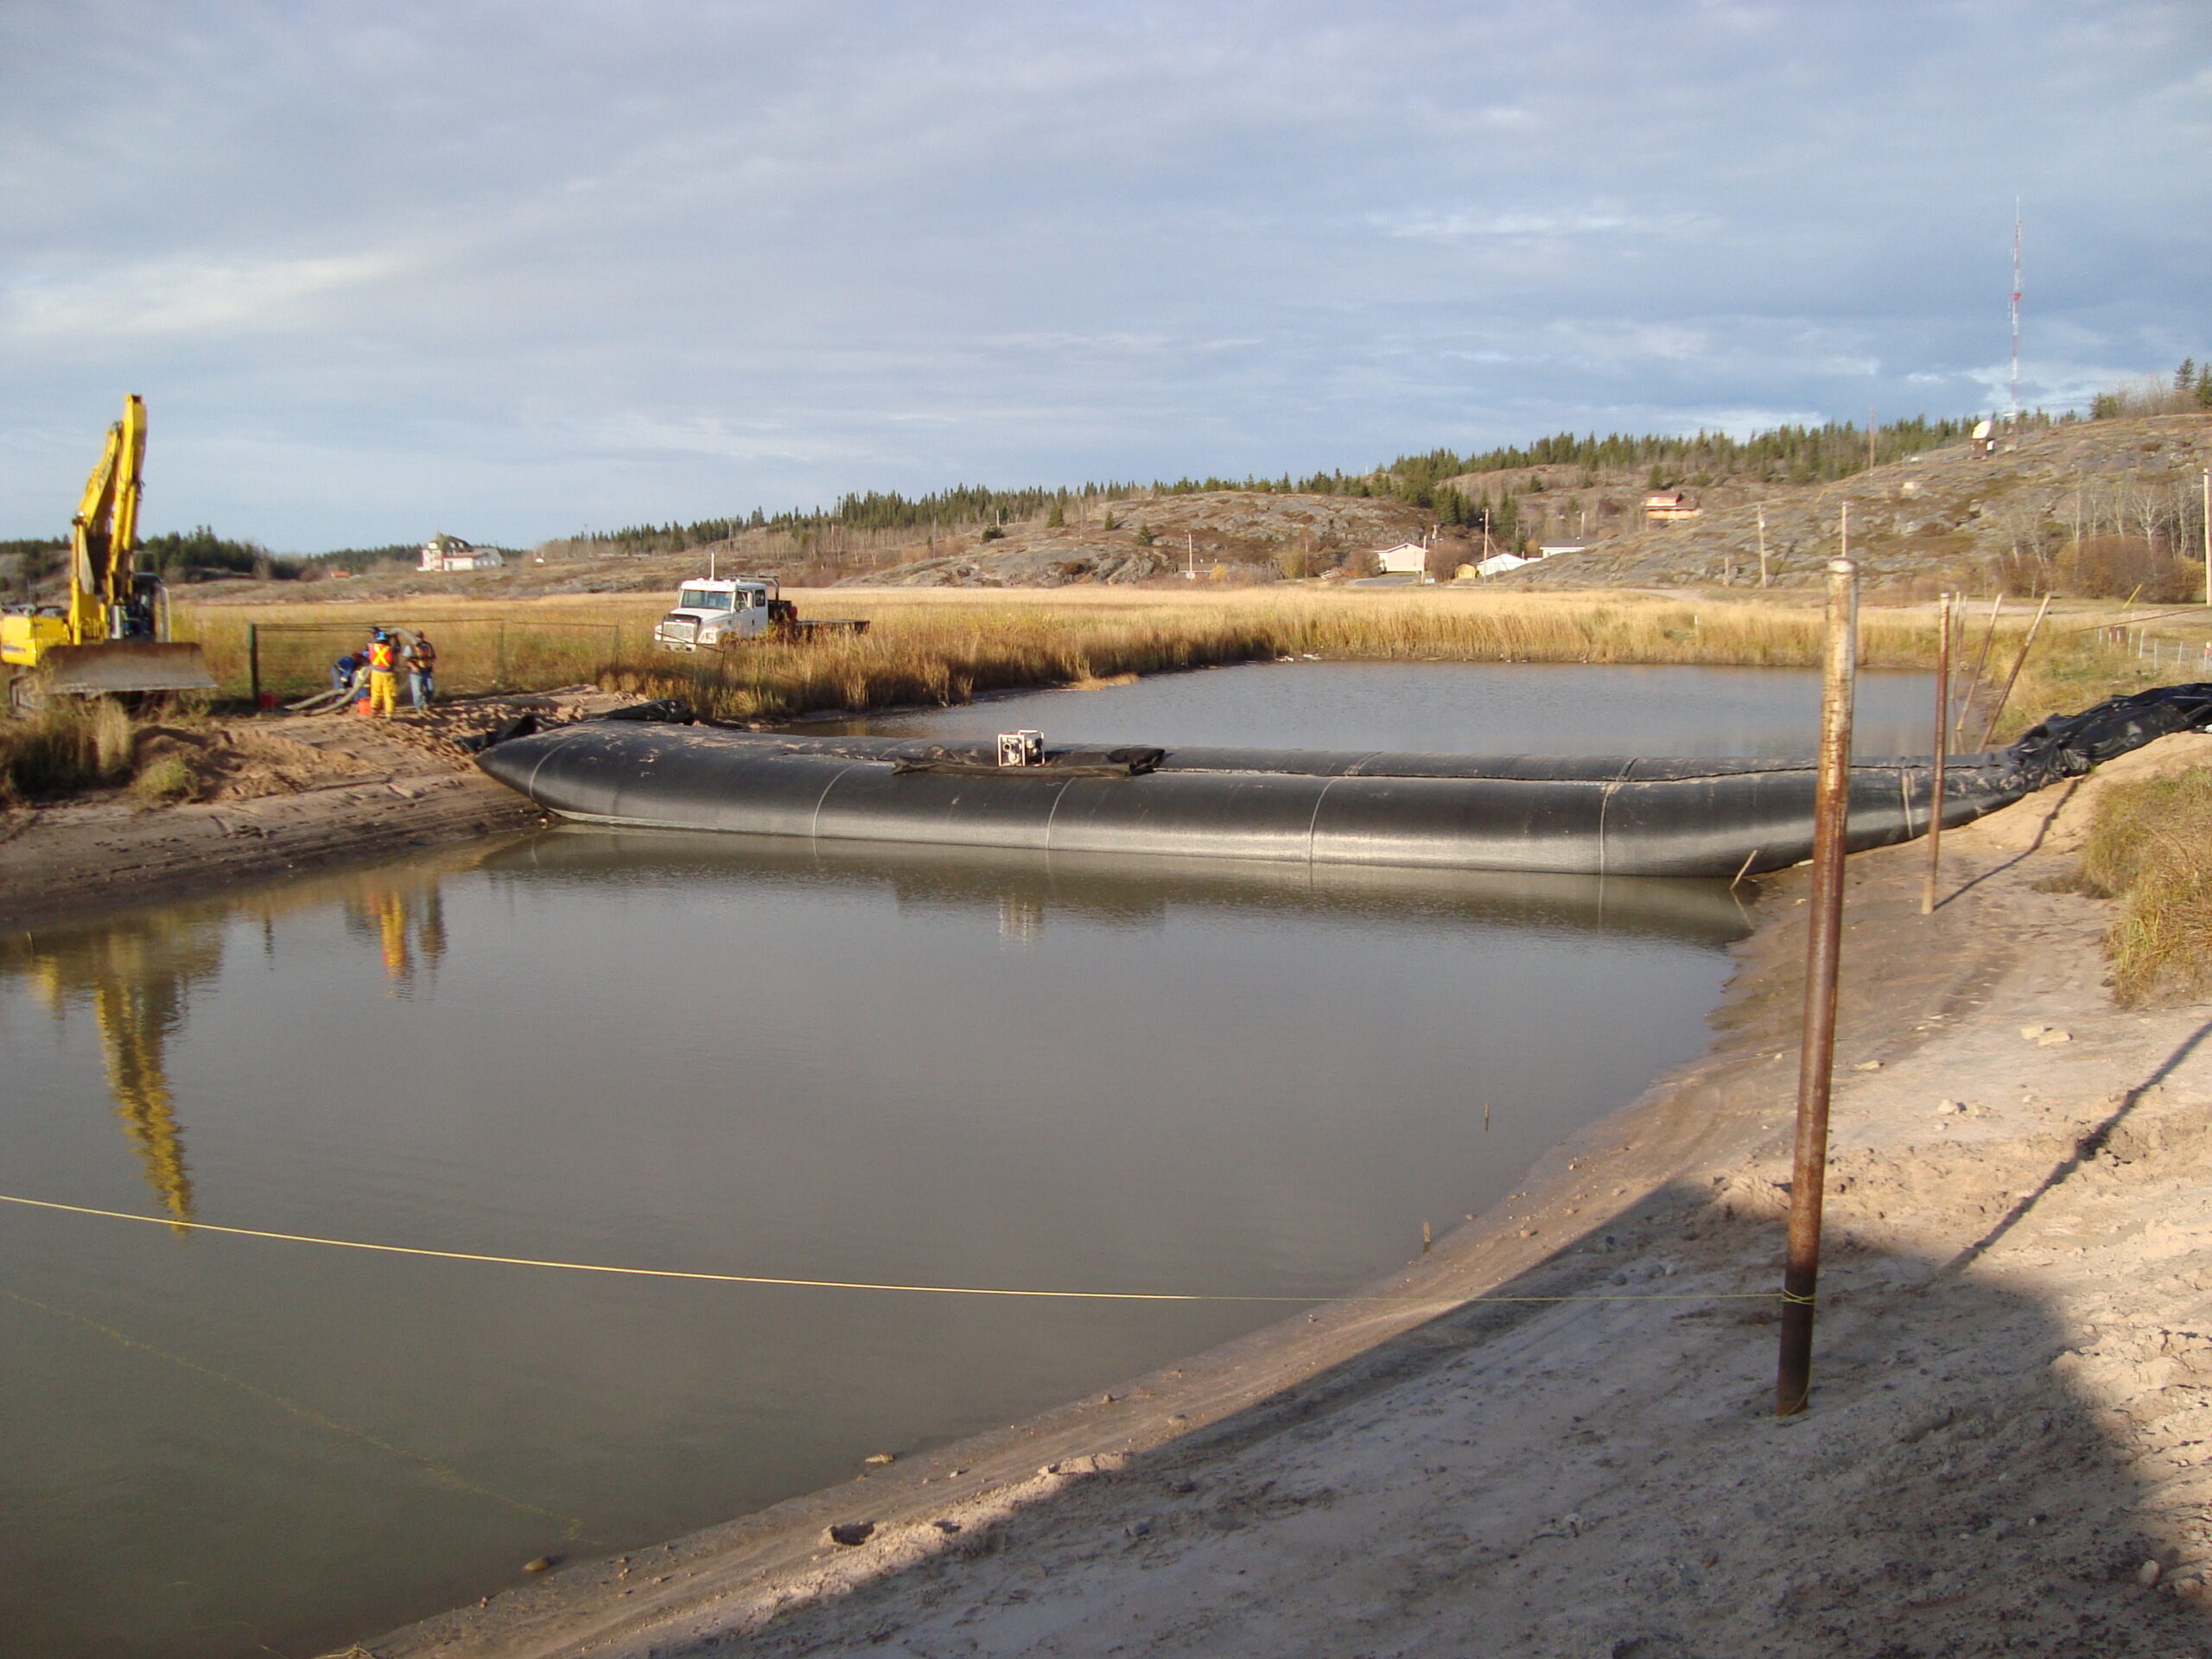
1793,1382
1942,753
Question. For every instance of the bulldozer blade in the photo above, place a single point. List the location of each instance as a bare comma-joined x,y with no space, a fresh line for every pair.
120,666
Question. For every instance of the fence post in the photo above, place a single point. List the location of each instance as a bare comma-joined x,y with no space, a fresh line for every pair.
1942,754
254,664
499,658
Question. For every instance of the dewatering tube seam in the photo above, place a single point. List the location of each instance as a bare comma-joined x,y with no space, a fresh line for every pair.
814,818
1053,816
552,749
1314,820
1605,808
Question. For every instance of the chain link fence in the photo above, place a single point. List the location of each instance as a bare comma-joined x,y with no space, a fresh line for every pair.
287,661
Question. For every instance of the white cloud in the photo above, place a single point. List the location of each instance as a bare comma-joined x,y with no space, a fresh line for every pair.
1544,224
186,298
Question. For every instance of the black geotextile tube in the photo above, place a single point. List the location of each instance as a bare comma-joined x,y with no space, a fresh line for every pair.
1578,817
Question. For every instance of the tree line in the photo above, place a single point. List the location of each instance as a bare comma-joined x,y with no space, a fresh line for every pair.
1787,454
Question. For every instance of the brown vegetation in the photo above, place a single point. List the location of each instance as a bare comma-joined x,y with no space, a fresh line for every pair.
2146,849
932,647
71,744
2121,567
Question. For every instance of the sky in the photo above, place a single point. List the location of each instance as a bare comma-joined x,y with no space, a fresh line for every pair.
511,269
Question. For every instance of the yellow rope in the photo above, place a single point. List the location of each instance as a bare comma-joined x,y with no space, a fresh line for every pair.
838,1284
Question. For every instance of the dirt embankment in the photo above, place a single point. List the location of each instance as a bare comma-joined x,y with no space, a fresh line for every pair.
268,797
2007,1448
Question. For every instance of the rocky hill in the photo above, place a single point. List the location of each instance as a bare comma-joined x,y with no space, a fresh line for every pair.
2091,506
1949,517
1136,540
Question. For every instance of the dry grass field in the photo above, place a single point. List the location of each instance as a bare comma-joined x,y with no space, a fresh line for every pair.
946,646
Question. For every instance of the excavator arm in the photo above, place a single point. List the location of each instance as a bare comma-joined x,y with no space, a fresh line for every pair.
104,533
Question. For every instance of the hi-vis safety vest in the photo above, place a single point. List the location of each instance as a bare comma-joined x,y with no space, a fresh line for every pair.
383,658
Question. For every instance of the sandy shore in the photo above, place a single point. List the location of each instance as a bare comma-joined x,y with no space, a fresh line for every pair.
277,796
2006,1452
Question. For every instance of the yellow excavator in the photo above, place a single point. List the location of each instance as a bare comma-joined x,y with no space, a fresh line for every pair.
114,637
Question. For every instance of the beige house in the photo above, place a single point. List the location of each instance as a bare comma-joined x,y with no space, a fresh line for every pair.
444,552
1668,506
1406,559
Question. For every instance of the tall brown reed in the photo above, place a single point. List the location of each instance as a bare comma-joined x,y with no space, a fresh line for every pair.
74,743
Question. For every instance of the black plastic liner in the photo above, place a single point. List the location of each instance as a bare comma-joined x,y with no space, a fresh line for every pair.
1580,817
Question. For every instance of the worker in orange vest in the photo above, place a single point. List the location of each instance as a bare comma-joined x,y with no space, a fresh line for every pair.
383,674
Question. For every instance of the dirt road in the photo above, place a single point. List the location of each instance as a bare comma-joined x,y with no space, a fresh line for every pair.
2006,1450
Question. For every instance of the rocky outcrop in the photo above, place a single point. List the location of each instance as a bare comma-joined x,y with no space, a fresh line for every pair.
1053,563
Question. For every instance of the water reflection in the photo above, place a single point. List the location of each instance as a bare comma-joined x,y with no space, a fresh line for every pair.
136,977
406,920
1024,889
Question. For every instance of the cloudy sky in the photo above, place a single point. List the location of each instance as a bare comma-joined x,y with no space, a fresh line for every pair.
509,268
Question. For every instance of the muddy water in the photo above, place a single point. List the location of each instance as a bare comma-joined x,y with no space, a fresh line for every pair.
708,1053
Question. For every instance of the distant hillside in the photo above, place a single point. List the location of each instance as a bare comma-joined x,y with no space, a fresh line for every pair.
1251,535
2089,506
2100,507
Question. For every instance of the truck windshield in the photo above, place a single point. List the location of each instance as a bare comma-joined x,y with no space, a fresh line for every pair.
703,598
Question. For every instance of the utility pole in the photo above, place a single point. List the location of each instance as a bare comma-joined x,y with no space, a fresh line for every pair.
1190,556
2207,535
1762,544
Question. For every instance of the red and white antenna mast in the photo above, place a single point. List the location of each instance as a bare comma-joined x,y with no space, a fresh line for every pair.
2015,414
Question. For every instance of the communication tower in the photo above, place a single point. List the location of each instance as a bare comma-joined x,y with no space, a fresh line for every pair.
2013,418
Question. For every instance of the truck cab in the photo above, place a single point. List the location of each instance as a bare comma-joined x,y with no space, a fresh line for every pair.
711,614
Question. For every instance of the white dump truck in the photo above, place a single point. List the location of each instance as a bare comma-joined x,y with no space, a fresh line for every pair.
714,615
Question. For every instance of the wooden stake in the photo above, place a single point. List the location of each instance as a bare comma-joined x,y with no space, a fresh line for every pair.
1974,680
1942,753
1793,1383
1998,708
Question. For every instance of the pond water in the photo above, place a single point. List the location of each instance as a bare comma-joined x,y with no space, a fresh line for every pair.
716,1054
1450,708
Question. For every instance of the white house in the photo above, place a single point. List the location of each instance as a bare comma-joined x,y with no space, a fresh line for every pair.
1498,563
1406,559
444,552
1553,550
